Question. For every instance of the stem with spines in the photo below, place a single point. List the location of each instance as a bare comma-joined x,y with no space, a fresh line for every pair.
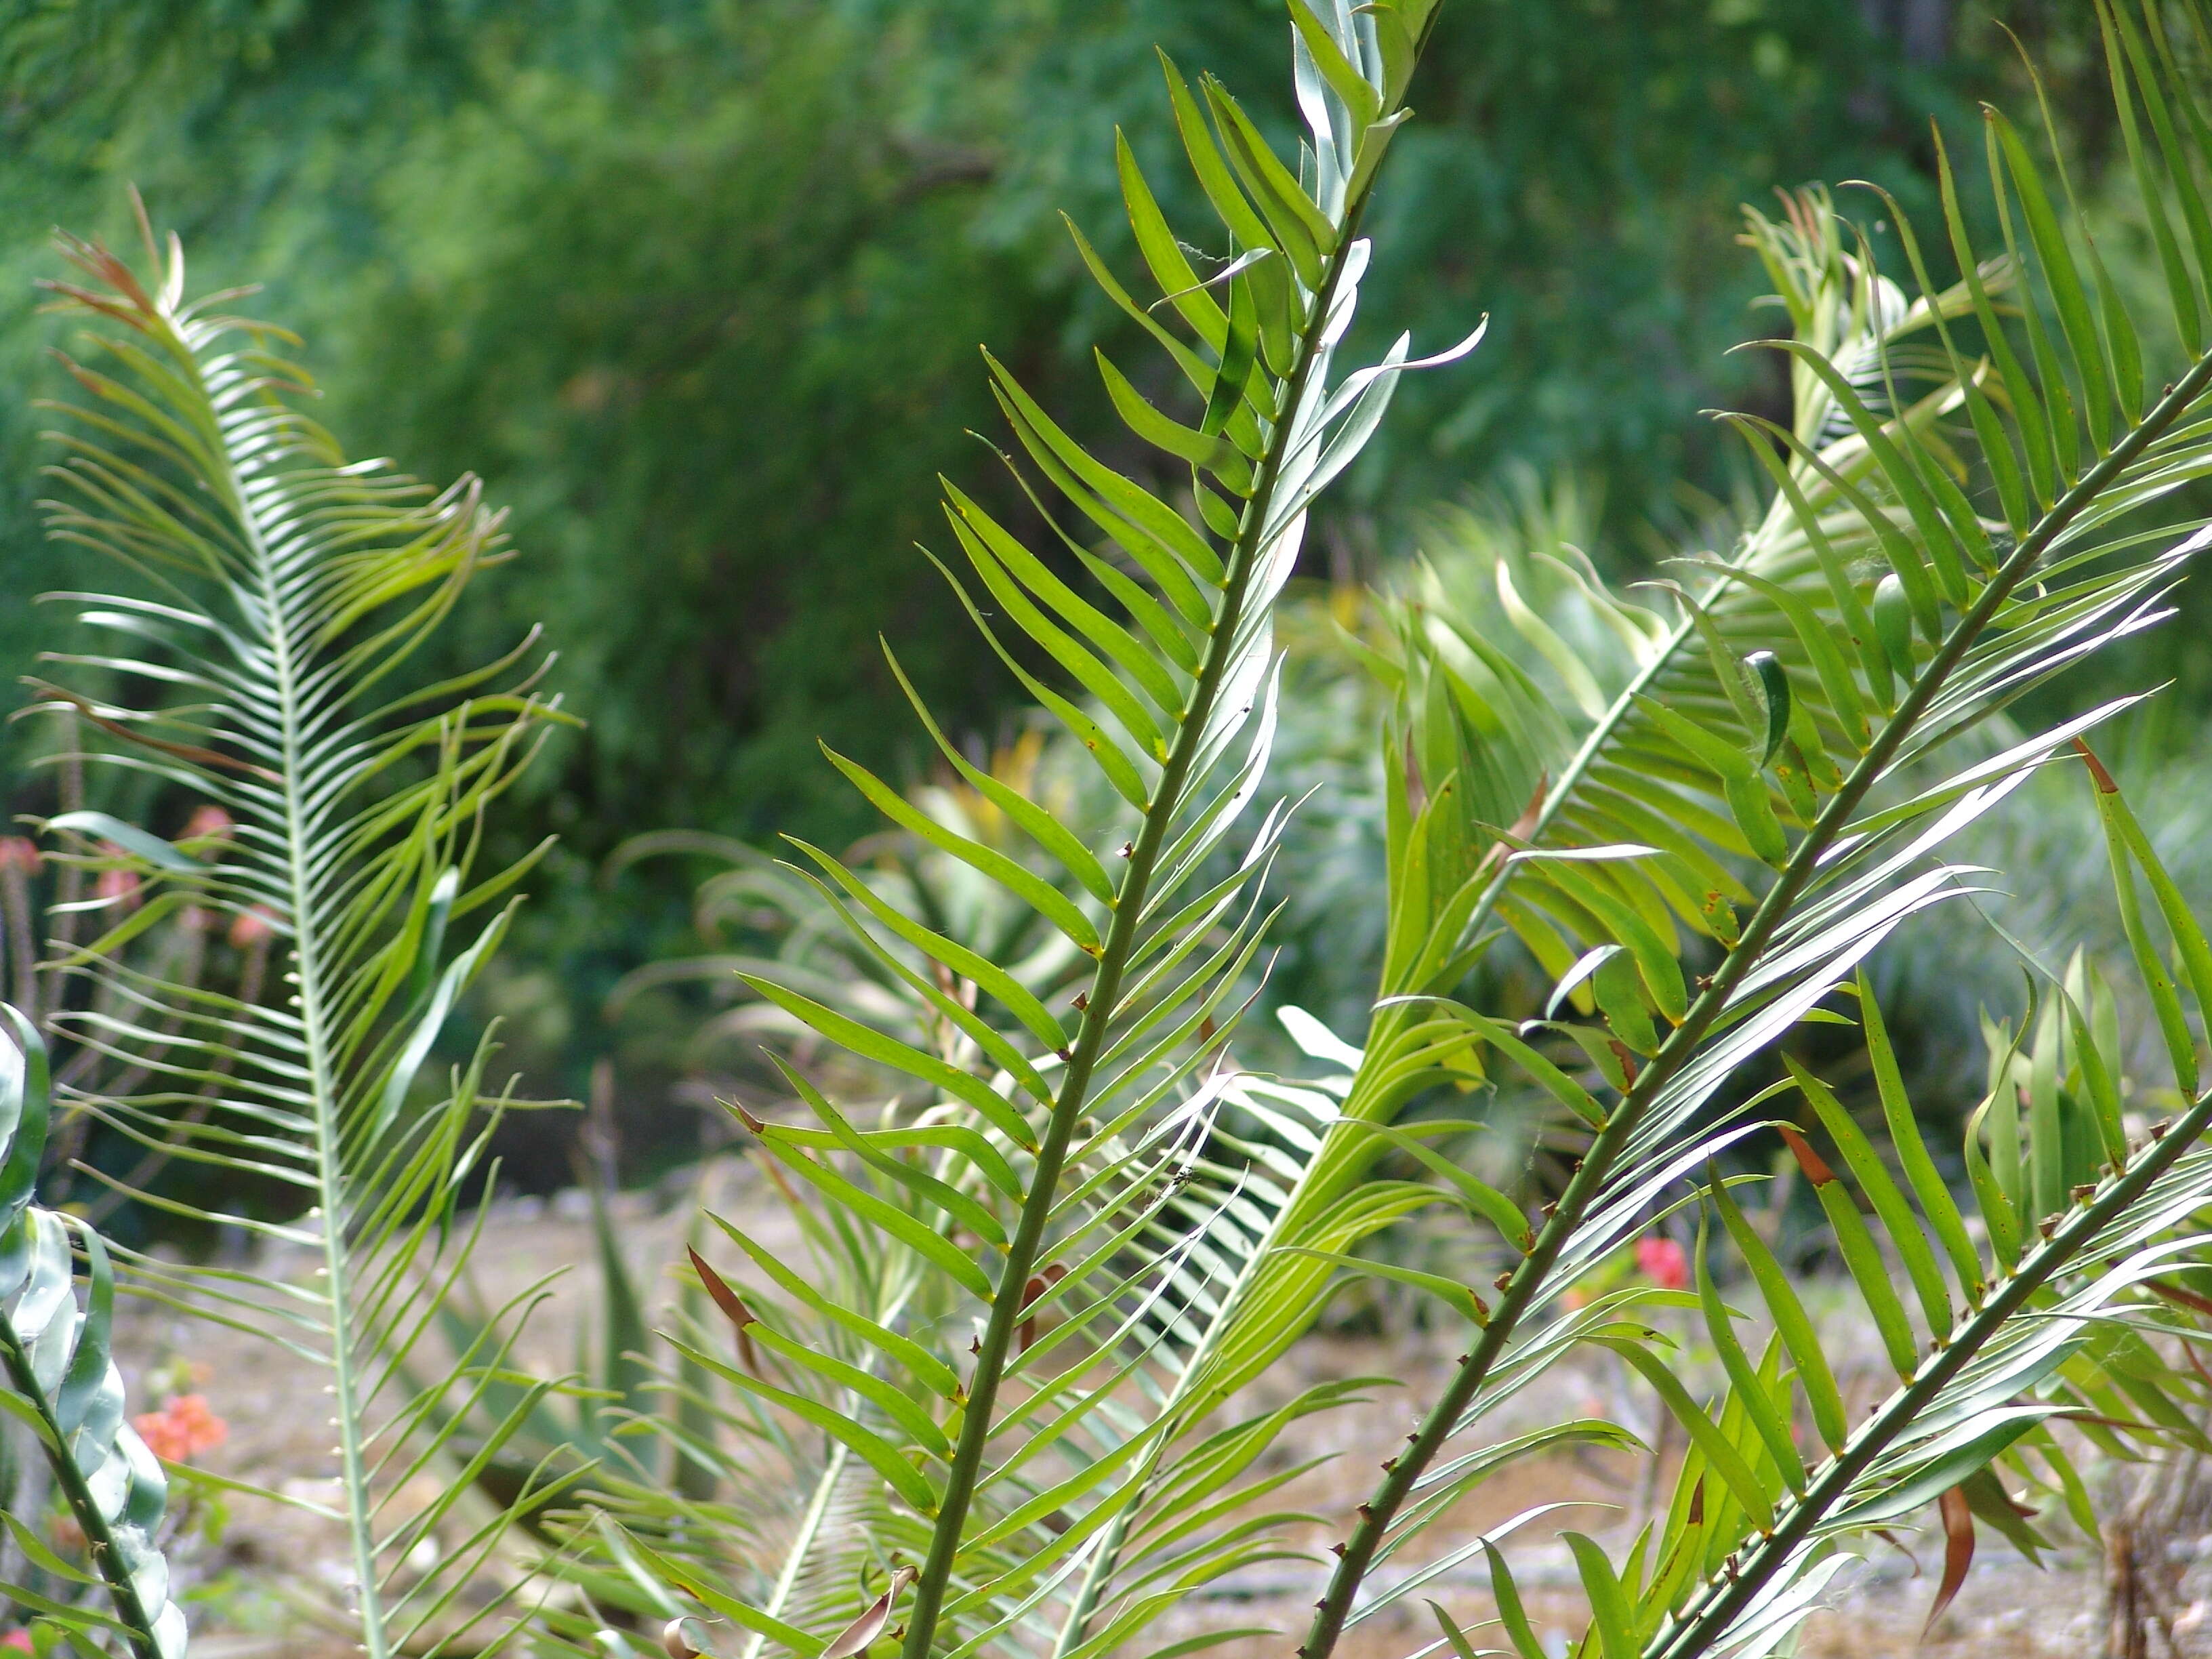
1725,1596
1529,1277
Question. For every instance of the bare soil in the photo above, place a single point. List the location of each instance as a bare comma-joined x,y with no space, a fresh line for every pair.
260,1584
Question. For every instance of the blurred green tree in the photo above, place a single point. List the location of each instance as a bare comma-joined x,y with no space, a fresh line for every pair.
583,248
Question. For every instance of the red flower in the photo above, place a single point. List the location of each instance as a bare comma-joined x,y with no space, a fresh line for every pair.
251,927
181,1428
1663,1261
21,856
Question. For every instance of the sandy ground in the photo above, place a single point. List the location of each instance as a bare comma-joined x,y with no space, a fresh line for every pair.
272,1565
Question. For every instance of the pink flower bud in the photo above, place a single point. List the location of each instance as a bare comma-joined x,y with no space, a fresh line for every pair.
117,887
1663,1261
208,821
20,855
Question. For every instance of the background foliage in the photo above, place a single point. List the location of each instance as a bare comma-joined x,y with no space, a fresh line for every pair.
697,285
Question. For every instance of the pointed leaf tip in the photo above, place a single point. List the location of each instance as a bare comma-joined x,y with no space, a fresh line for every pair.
1958,1551
731,1305
2103,779
1453,1634
855,1637
1814,1166
1773,681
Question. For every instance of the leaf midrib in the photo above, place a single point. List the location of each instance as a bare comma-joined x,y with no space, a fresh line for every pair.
276,606
1128,907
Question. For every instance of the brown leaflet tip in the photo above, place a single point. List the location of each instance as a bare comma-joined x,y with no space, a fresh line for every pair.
1025,1336
1535,809
1814,1166
2103,779
1626,1056
731,1305
1958,1551
855,1638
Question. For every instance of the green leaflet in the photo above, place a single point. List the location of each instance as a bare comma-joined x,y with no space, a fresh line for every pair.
1704,1433
918,1360
1897,1219
1054,905
994,1107
956,1205
1610,1610
1771,1425
1790,1322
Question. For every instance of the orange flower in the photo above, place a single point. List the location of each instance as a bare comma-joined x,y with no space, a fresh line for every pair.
181,1428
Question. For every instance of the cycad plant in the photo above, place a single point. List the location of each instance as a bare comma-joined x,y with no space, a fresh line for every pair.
980,1387
1967,501
1699,834
259,658
1069,1219
798,939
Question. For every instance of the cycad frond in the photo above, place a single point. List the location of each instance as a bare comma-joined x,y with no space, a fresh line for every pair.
1076,1202
58,1377
2061,1319
1797,719
280,594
